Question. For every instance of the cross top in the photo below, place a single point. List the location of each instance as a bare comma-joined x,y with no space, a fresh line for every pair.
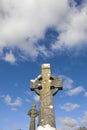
46,81
33,112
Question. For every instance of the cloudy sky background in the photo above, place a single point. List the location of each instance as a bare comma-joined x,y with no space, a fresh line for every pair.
43,31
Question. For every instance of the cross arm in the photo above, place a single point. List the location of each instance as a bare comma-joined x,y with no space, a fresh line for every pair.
35,85
56,84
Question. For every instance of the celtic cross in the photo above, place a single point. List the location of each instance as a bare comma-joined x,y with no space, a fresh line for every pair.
46,86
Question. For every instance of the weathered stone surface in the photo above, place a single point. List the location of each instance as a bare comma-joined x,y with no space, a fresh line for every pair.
32,113
46,85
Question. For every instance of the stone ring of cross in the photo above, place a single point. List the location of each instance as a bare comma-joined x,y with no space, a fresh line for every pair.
55,84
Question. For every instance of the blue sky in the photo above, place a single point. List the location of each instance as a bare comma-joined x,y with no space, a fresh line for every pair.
33,33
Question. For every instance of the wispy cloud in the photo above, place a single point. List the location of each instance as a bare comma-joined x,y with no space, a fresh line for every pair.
69,107
9,57
75,91
68,123
13,109
84,119
67,82
27,100
70,86
85,94
17,102
27,93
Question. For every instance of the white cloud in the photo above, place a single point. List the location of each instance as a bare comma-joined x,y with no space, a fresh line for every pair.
69,106
22,23
75,91
73,29
36,98
9,57
84,119
68,123
17,102
67,82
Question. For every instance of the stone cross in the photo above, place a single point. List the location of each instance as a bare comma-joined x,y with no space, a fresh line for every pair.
32,113
46,86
